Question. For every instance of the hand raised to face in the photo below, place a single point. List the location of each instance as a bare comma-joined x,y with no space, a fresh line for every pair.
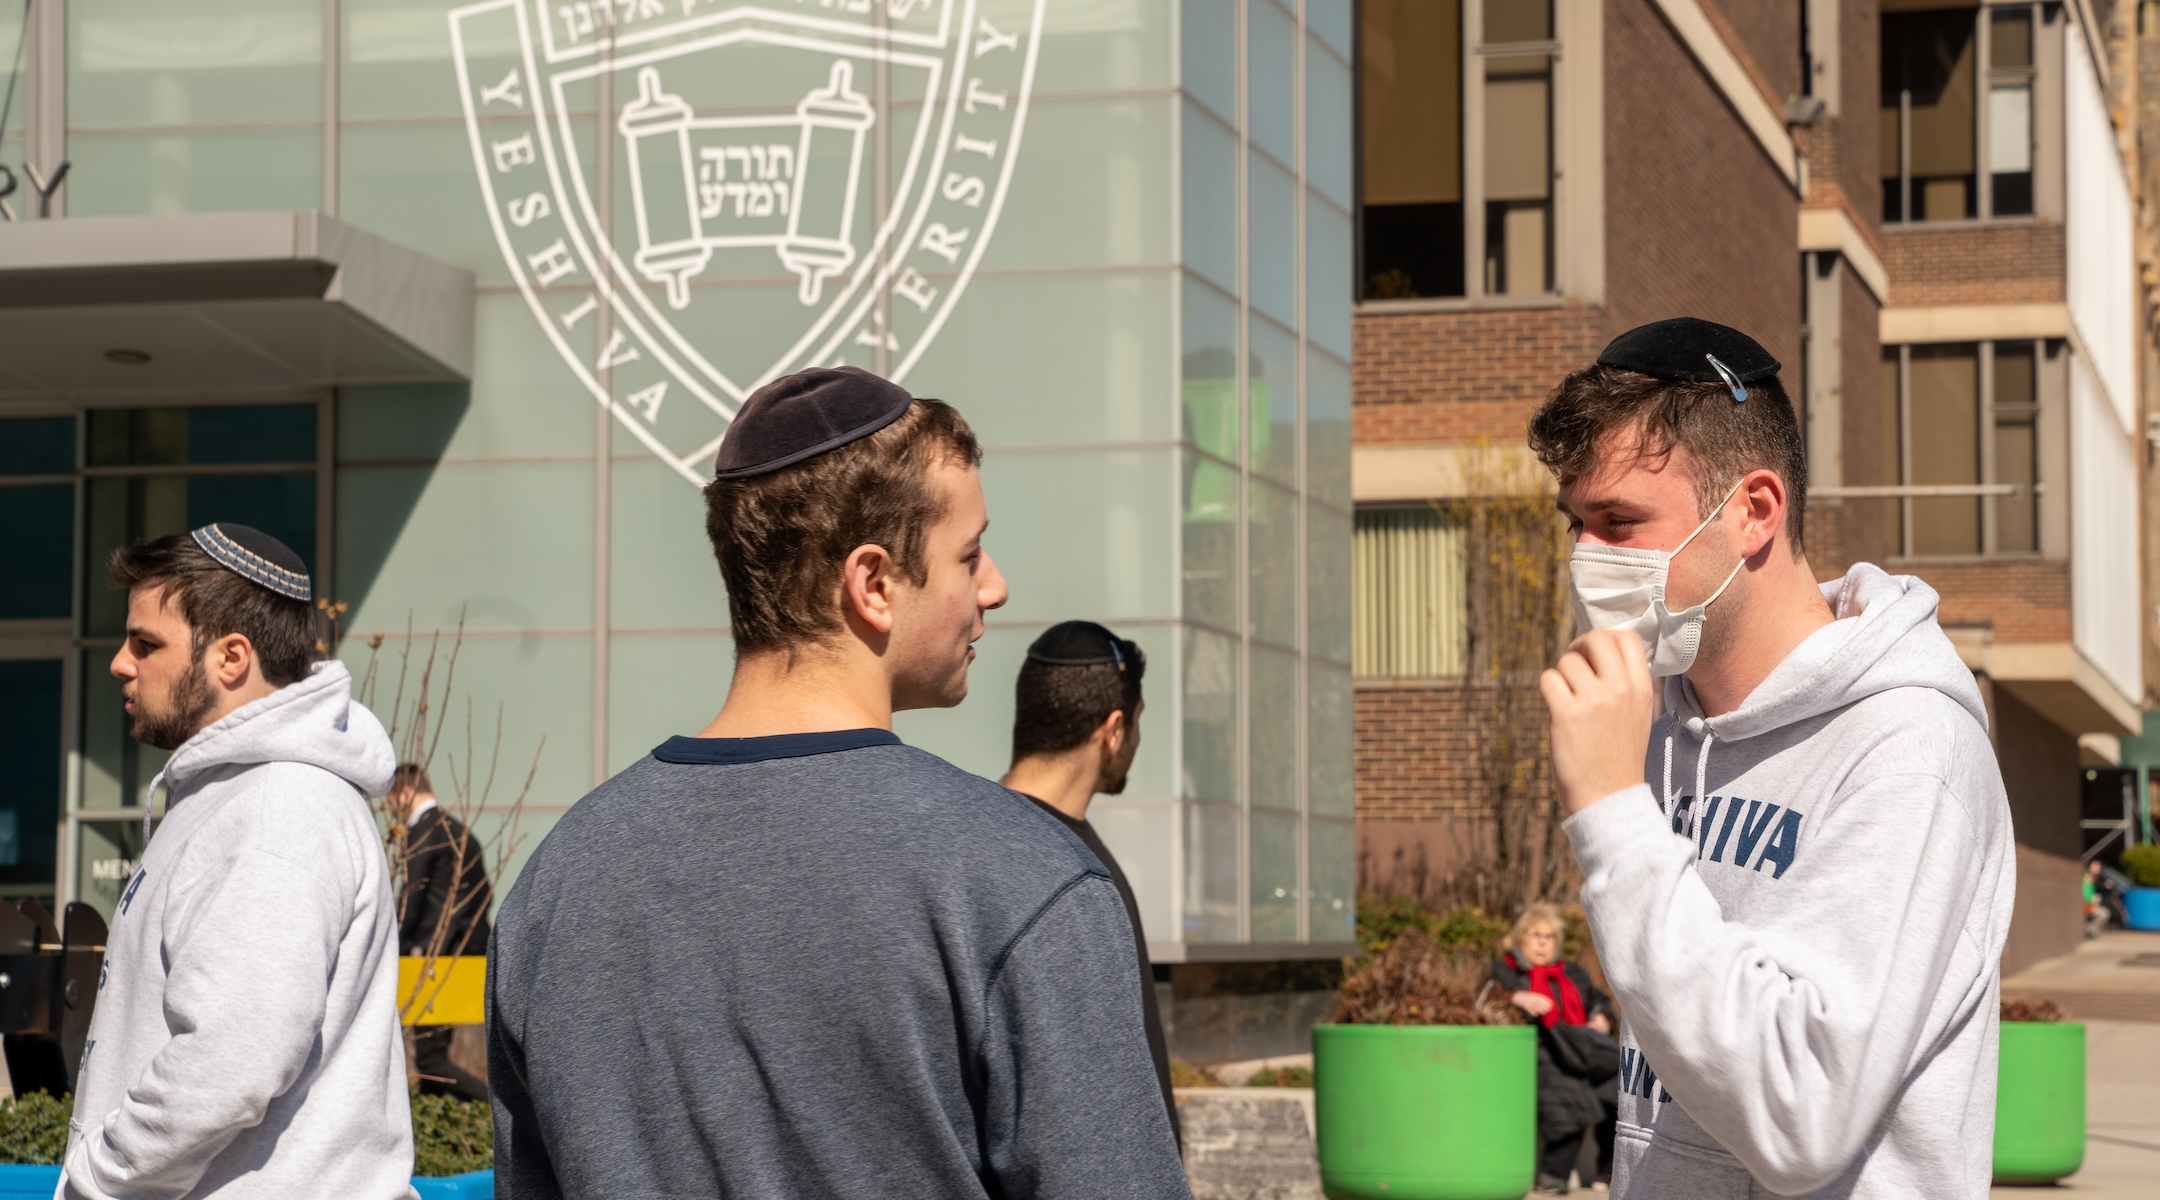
1599,697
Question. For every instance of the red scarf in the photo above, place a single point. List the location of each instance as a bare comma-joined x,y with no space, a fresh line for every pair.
1551,981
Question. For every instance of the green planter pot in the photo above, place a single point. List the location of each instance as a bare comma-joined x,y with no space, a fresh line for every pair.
2040,1102
1426,1112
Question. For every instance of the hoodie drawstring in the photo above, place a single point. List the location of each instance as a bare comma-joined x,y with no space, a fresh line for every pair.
149,795
1668,773
1702,766
1702,769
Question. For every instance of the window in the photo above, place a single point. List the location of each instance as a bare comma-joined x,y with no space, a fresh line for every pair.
1961,434
154,471
1411,609
1446,86
1957,113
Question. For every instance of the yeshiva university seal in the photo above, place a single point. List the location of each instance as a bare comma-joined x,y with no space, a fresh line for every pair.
698,196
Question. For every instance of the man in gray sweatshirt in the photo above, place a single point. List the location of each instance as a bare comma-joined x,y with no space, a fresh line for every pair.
246,1039
791,956
1803,909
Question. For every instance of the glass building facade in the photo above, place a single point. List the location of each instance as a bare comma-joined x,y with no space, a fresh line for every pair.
1115,233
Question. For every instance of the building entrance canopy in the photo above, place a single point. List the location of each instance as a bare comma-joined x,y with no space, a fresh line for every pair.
223,301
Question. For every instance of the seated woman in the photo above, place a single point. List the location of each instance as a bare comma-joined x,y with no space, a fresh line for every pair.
1554,992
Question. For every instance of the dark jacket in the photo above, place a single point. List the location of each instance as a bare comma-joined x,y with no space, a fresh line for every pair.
1565,1104
446,889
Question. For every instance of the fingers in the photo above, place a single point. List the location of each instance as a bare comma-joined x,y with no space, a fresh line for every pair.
1613,654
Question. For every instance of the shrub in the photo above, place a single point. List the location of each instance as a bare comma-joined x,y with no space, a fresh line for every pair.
451,1136
2142,865
34,1128
1382,919
1185,1075
2031,1010
1419,981
1281,1077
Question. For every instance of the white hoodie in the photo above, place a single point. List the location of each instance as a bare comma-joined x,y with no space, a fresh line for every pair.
1808,960
246,1040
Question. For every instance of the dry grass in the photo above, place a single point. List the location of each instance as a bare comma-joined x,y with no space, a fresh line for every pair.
1418,981
417,729
2031,1010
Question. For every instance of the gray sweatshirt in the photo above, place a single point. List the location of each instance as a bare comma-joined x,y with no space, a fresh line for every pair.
246,1040
1807,959
818,964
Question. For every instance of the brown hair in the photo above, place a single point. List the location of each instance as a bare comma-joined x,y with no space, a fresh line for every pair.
1724,440
782,537
1057,706
414,776
217,601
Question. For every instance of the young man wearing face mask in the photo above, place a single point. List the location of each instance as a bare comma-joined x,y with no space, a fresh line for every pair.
790,955
1800,877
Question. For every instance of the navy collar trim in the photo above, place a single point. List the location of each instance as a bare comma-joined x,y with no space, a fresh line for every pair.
731,752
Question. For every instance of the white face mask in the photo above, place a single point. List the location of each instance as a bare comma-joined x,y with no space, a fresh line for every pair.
1621,588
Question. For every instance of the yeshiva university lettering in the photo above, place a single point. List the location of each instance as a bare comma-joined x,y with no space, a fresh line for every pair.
881,230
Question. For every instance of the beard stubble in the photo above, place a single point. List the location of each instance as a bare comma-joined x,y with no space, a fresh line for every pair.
168,727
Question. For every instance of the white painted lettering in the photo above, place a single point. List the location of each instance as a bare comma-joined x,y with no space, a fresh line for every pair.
912,286
508,90
944,242
516,152
552,263
617,353
526,210
571,318
963,144
988,39
976,95
648,401
875,334
967,189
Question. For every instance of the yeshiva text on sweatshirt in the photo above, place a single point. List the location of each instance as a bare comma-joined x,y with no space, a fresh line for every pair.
246,1040
1802,914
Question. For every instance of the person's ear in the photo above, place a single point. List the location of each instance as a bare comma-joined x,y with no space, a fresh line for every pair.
1111,733
1762,499
229,659
868,584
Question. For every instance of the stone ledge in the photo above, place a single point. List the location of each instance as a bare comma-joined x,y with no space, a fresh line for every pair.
1250,1143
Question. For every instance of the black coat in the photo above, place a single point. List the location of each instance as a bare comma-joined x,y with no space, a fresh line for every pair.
446,889
1566,1104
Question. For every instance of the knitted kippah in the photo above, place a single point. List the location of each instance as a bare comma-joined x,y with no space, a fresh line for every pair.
805,414
257,557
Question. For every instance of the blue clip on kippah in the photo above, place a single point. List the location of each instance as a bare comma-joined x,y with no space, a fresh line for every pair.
1732,381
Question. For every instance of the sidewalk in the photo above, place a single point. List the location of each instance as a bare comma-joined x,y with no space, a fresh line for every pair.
2112,984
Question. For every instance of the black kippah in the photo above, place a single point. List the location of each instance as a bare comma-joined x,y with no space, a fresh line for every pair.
1077,644
1692,350
805,414
257,557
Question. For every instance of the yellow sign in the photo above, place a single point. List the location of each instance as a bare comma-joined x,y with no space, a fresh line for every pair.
442,991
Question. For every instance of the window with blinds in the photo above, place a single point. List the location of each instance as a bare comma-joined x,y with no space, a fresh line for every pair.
1412,612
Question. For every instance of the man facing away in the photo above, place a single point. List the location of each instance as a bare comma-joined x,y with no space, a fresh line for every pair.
1076,728
442,912
1802,912
246,1038
791,956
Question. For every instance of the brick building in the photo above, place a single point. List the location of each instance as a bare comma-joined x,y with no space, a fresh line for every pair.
1917,206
